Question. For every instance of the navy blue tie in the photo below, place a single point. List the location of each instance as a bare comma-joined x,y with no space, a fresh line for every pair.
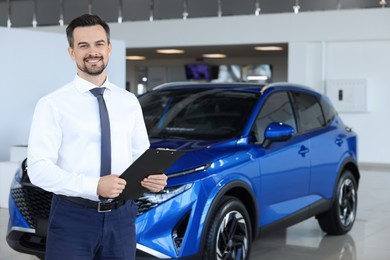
105,157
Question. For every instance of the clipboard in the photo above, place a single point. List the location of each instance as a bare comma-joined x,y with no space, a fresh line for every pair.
152,161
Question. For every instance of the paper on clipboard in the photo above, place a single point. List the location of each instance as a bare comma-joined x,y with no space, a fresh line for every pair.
152,161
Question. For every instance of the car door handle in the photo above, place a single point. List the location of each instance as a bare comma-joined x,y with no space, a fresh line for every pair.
339,140
303,151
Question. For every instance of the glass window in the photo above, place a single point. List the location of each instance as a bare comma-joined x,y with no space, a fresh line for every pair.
328,110
277,108
309,111
197,113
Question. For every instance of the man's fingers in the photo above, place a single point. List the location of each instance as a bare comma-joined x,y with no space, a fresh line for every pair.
157,179
111,186
155,182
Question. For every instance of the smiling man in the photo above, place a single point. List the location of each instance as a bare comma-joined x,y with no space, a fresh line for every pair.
90,51
83,136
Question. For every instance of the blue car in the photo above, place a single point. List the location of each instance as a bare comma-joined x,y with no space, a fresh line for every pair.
257,158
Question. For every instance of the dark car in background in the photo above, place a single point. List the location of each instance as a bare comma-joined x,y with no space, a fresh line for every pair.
257,158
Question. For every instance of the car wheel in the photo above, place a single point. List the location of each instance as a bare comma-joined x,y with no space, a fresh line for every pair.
229,235
341,216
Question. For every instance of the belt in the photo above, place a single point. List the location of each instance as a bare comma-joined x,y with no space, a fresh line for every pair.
98,205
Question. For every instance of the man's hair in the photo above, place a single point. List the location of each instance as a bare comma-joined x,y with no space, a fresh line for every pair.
83,21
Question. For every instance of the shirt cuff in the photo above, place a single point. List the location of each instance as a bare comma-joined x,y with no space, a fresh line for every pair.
90,185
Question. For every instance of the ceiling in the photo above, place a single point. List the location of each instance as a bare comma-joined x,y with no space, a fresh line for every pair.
22,13
25,13
196,52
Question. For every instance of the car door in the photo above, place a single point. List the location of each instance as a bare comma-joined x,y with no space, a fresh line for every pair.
284,167
311,124
327,142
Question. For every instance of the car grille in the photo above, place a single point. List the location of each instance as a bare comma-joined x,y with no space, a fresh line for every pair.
34,203
144,205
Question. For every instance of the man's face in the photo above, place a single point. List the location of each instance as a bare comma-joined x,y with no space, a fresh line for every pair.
90,50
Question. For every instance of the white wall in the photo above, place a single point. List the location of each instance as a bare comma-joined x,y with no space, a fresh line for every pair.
33,64
368,60
315,63
340,44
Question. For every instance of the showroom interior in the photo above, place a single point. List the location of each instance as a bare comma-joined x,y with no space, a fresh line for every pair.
330,46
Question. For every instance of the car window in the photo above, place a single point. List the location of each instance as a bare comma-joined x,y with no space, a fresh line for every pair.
197,114
277,108
328,110
309,111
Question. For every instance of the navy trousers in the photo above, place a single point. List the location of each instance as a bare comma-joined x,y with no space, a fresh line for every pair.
81,233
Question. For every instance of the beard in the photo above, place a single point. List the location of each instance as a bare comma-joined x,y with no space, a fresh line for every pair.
93,70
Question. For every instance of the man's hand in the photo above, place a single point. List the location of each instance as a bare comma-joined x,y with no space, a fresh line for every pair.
155,182
110,186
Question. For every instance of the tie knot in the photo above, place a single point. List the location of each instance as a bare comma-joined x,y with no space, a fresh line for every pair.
97,91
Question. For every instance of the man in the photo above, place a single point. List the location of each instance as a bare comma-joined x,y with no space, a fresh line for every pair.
65,149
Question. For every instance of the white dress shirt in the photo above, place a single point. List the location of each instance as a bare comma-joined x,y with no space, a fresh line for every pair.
64,142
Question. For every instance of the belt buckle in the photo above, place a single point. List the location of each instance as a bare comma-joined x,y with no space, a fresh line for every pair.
100,207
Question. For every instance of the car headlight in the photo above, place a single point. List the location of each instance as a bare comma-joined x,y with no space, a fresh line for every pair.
166,194
17,181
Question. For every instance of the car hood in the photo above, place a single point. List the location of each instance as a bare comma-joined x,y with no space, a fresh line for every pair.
197,152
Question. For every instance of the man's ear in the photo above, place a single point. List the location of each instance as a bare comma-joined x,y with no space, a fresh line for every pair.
109,49
71,53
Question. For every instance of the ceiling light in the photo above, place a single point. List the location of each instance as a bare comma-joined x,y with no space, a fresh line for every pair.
296,7
135,57
268,48
258,9
214,55
257,78
170,51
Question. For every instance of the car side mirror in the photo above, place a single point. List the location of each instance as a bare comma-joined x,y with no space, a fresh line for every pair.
277,132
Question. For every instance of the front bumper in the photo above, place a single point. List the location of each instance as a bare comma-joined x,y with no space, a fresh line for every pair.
26,234
26,241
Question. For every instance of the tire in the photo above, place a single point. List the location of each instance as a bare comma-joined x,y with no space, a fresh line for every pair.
229,236
340,218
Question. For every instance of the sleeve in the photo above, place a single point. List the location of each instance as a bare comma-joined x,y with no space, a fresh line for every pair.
140,139
43,151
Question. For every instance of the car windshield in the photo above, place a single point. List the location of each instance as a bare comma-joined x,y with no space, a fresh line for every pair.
206,114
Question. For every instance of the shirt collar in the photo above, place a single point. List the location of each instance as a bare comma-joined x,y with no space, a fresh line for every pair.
83,85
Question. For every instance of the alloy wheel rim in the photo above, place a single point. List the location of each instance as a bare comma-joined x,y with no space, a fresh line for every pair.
347,202
232,237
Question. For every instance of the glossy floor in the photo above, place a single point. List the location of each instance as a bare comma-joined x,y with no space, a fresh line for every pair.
368,240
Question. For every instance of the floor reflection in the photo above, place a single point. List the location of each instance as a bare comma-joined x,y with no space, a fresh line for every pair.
368,239
293,244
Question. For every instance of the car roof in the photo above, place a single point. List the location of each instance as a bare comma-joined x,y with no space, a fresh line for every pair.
241,86
237,86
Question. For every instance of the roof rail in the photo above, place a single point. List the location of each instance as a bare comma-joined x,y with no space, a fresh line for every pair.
174,84
189,83
284,84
